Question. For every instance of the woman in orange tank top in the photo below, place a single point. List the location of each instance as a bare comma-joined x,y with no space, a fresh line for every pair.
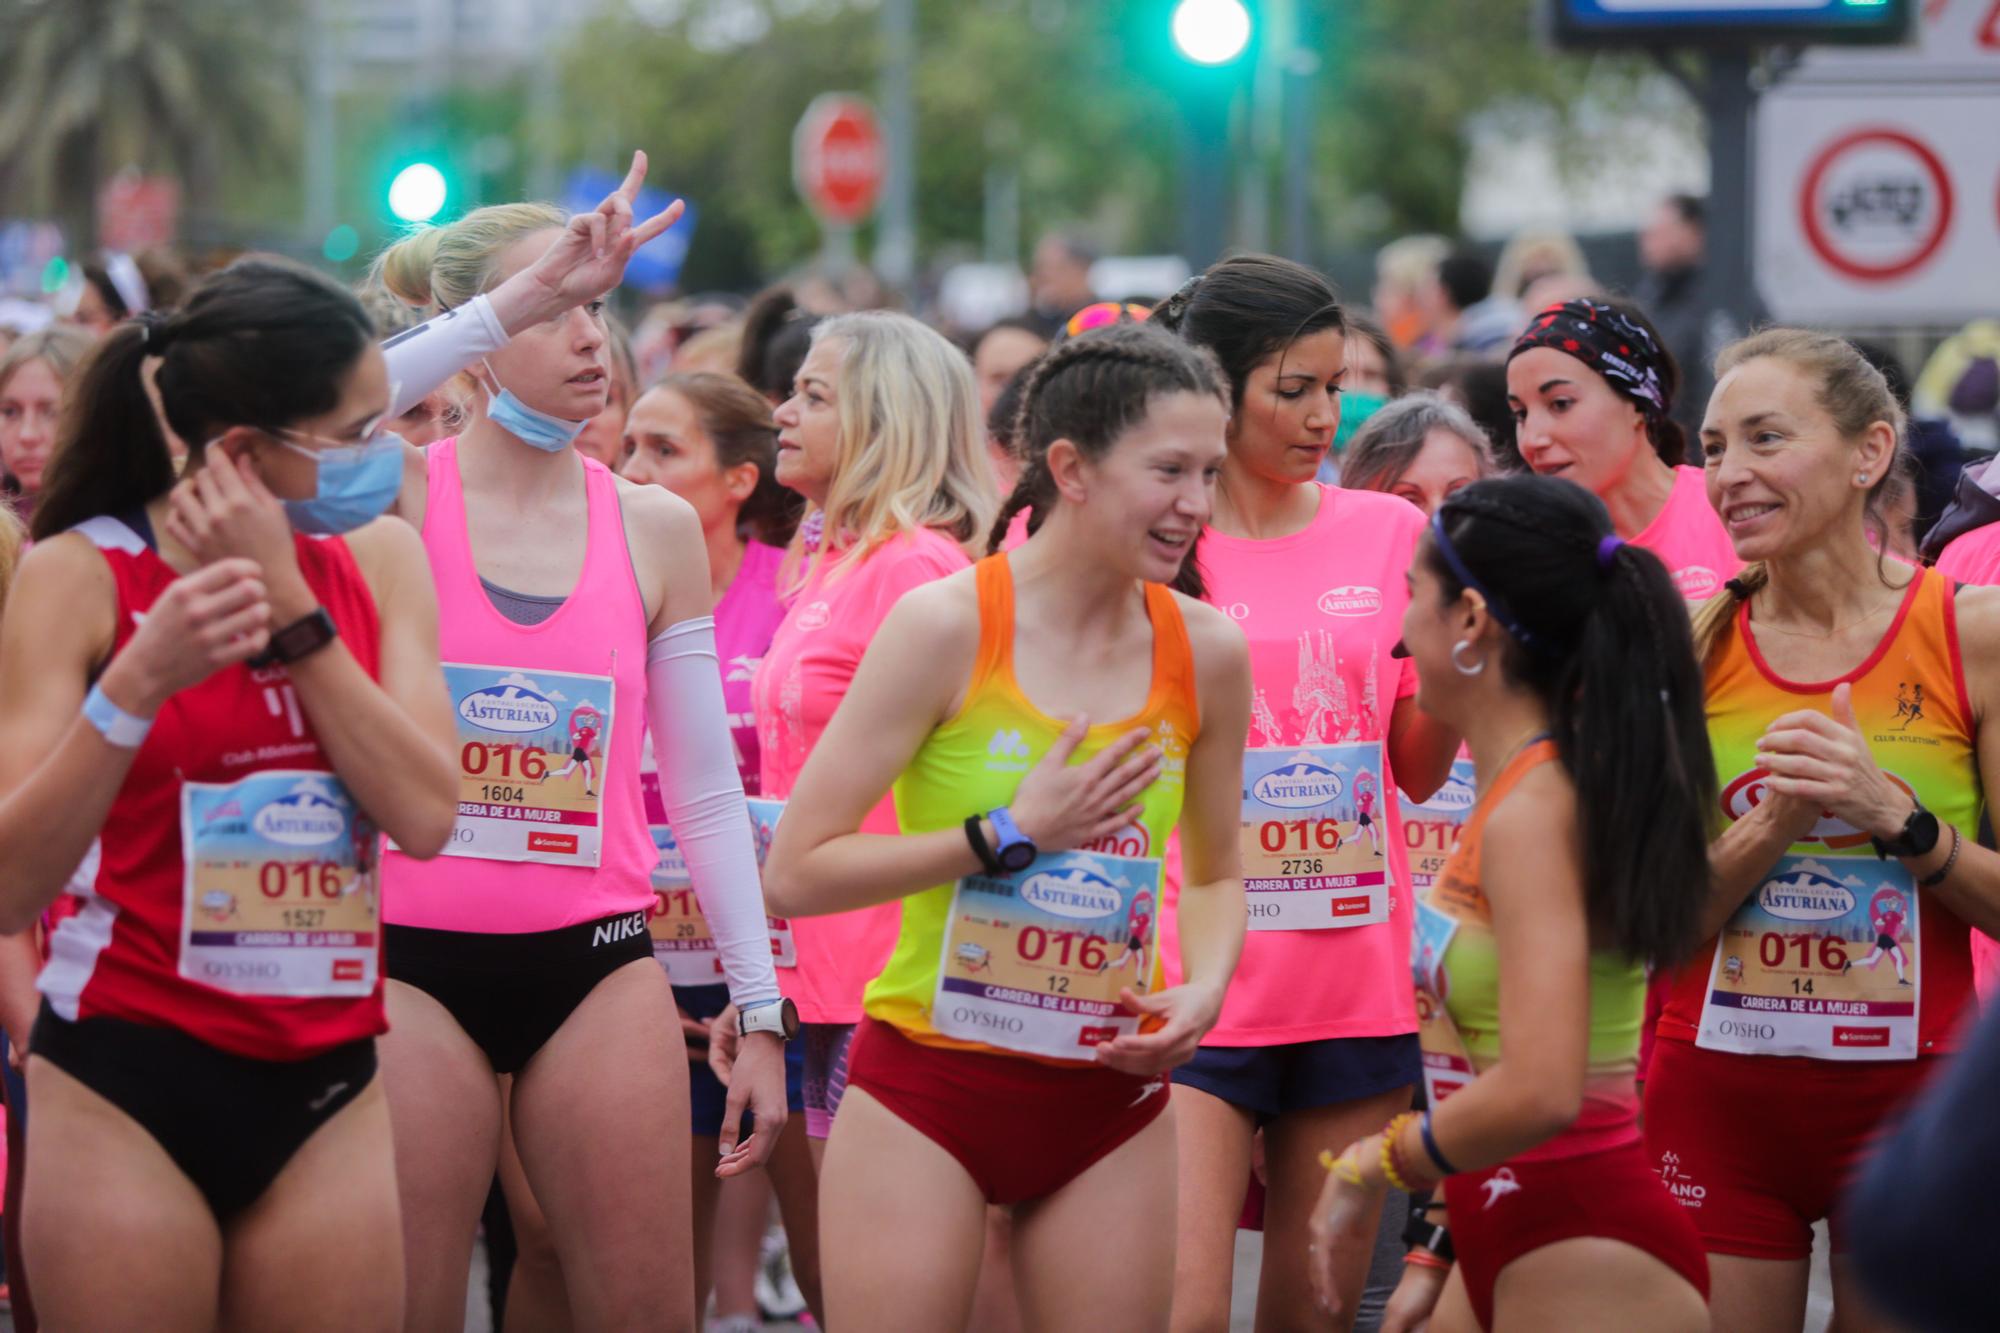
1562,655
1846,695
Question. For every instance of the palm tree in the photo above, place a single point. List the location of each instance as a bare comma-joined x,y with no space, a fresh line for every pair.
87,86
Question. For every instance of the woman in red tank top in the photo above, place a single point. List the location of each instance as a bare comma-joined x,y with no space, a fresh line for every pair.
255,704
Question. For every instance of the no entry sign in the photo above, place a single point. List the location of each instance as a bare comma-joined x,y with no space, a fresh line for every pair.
837,159
1876,204
1879,210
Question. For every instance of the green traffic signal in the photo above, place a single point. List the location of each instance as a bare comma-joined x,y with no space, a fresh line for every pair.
1211,32
417,193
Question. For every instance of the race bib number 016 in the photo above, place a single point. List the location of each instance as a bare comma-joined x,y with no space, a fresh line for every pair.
531,759
682,941
1820,961
1033,961
279,891
1431,828
1315,855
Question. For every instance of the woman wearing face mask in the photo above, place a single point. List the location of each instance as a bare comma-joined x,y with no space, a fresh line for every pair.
576,616
1422,448
228,710
32,374
1591,386
1847,695
1317,1039
709,439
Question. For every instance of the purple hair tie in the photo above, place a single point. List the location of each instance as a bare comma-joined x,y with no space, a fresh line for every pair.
1607,551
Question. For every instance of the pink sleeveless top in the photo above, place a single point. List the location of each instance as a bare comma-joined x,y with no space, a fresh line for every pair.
551,831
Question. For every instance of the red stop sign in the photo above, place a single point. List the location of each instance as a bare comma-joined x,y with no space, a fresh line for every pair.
837,158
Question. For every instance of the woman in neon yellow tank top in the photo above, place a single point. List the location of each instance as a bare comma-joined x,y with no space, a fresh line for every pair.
1015,1046
1564,656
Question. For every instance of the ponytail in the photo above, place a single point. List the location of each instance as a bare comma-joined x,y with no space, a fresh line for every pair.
1713,618
264,343
1630,723
111,456
1601,636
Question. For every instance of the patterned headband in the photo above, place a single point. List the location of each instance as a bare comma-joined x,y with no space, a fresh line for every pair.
1610,343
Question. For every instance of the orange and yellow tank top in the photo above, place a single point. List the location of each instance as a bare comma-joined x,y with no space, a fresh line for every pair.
1031,963
1839,955
1457,963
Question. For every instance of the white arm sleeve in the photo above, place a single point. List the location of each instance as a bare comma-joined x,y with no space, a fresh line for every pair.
703,794
422,358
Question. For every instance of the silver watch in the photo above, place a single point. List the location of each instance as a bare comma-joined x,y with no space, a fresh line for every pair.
780,1019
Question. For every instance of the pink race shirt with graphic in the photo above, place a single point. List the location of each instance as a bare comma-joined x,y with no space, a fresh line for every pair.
1975,558
1321,609
1690,540
799,684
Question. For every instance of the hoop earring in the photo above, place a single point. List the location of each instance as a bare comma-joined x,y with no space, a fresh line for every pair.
1462,668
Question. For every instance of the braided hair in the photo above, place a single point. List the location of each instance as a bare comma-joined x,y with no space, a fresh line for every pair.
1598,632
1090,390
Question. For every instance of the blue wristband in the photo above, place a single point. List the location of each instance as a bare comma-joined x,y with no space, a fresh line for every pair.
1431,1146
117,726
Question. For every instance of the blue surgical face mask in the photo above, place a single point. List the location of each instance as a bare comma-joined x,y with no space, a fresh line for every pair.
544,432
357,483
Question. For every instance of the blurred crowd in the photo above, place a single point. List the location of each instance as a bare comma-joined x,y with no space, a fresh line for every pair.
1440,318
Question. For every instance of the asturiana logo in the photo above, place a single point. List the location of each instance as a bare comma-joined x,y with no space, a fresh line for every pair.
514,705
1302,783
1697,583
1079,893
307,817
1352,600
1809,891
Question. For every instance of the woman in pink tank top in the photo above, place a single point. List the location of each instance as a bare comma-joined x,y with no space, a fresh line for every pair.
709,439
1591,385
1317,1037
882,428
524,1002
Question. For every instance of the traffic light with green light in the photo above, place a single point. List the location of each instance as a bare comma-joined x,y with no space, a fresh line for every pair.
1211,32
417,193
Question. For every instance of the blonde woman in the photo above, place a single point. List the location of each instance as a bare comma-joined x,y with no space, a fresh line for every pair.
882,437
575,615
32,374
1847,695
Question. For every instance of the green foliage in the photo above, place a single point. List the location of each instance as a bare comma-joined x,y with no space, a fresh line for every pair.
87,86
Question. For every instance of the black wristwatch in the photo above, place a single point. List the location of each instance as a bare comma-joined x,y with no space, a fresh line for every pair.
1919,836
300,639
1420,1234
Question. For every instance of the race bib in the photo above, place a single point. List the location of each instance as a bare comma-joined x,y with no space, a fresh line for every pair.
1447,1065
278,895
531,759
1431,828
1820,961
682,941
1315,841
1033,961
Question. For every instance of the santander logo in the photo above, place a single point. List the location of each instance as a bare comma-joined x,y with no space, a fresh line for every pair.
1352,600
1747,791
1697,583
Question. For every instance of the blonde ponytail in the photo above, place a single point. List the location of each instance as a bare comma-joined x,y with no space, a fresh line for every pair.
1713,618
444,267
